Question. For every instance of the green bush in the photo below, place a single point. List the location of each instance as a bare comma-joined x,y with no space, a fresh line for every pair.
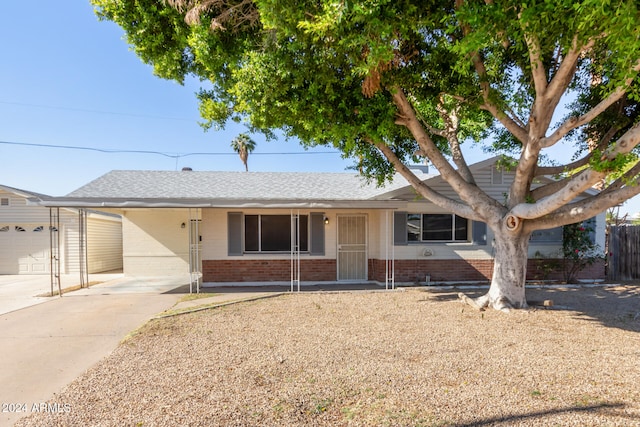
578,250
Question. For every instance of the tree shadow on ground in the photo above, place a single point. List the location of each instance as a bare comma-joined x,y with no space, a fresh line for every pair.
602,408
611,306
615,306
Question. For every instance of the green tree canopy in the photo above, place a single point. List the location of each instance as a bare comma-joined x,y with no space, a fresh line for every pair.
388,82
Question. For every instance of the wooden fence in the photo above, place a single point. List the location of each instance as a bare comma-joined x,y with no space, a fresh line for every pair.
623,247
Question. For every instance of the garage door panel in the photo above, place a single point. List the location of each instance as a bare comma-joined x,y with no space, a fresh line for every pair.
24,252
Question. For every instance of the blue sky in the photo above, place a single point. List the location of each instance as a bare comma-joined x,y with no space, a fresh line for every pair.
68,79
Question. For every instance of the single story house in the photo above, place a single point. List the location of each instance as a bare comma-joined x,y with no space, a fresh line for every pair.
26,230
243,227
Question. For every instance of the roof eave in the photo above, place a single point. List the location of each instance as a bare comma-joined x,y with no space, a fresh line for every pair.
116,203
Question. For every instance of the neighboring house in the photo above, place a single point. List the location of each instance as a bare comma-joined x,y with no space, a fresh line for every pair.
25,236
239,227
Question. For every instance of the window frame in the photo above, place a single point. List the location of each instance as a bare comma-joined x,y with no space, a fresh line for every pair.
414,219
305,239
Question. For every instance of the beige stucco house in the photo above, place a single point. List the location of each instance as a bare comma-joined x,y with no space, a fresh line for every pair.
256,227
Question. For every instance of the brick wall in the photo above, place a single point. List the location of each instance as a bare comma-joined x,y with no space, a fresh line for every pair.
236,270
406,271
410,271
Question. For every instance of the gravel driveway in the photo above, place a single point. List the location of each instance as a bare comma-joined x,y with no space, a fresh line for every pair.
402,358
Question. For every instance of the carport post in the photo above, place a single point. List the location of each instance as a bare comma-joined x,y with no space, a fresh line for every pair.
82,248
54,248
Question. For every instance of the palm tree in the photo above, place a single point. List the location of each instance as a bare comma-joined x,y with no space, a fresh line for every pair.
243,145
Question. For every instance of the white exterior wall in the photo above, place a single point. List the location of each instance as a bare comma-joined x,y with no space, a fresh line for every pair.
469,250
104,243
154,244
28,252
215,231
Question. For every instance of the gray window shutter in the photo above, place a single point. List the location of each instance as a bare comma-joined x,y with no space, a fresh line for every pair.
400,236
479,233
234,228
316,246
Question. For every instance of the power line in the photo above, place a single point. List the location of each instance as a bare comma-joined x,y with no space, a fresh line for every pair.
85,110
170,155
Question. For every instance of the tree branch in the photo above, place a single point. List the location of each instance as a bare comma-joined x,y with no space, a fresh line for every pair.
537,67
549,189
555,170
562,78
573,187
468,192
511,125
450,119
578,183
236,13
427,192
584,209
629,176
506,121
575,122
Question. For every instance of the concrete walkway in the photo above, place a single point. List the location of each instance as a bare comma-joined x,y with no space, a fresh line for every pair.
47,345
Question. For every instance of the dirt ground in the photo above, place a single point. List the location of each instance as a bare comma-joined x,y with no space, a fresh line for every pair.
396,358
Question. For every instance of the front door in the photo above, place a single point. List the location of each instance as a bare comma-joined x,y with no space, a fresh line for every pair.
352,247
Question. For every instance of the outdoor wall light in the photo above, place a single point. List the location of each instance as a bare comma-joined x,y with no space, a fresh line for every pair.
183,225
326,220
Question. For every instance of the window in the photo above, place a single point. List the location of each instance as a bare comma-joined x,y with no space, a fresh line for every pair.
497,175
4,228
552,235
38,229
272,233
19,229
4,201
437,228
555,235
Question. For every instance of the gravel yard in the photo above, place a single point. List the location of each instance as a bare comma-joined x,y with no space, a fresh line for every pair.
401,358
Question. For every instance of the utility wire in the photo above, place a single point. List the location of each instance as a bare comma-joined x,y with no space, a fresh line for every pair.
170,155
85,110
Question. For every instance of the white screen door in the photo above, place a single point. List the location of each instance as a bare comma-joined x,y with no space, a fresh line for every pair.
352,247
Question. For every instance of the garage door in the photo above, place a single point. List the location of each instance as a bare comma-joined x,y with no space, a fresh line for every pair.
24,249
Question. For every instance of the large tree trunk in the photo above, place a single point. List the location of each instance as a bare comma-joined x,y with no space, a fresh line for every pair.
507,288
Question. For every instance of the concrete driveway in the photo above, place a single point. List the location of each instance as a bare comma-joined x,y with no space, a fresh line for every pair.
47,344
20,291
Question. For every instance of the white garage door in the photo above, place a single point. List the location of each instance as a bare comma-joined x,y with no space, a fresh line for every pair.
24,249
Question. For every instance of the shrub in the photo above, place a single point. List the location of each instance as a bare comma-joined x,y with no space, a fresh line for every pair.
578,249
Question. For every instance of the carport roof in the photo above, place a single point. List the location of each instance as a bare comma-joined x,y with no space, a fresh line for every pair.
129,188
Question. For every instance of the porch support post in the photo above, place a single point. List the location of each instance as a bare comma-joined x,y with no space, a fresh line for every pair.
389,262
195,264
295,250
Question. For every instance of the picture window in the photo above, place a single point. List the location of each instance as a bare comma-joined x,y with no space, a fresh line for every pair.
437,228
272,233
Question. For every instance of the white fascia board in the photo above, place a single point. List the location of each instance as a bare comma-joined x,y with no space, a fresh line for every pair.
235,204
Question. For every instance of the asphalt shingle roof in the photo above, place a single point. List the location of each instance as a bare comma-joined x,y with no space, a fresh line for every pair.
233,186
